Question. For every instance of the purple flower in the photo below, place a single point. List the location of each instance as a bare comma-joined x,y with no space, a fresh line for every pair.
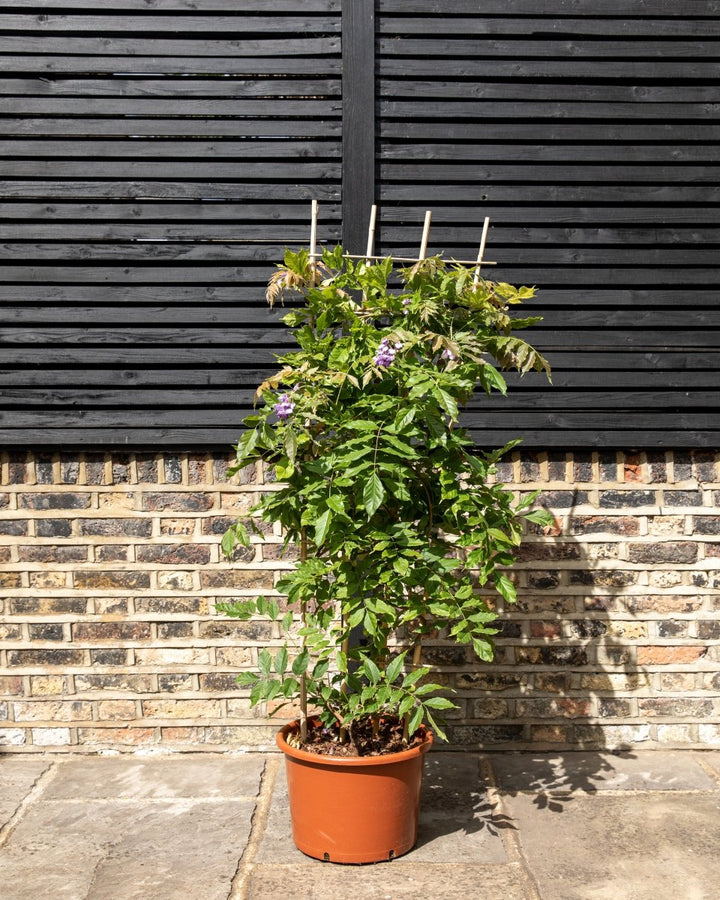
284,408
385,355
448,354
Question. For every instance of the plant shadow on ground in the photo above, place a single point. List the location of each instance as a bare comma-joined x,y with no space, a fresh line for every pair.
455,798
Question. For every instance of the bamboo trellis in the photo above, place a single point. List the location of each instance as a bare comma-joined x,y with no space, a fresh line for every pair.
424,240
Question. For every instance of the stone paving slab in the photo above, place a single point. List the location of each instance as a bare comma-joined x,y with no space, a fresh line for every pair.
388,881
458,822
622,846
17,777
711,759
587,772
141,778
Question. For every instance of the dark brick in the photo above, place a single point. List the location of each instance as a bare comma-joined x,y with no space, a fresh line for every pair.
682,466
608,466
506,471
620,499
672,628
44,470
52,553
709,630
603,578
147,469
69,470
95,468
219,682
251,631
34,606
704,464
566,707
114,657
168,630
53,527
135,683
625,525
551,683
176,682
291,553
485,681
582,467
46,631
530,468
545,629
657,466
173,470
5,554
174,554
4,500
682,498
551,656
508,629
54,501
197,469
18,468
129,527
111,631
588,628
121,470
176,501
543,581
172,605
664,552
10,633
557,464
237,578
613,707
485,734
689,706
530,551
45,657
111,553
565,499
14,527
110,580
706,524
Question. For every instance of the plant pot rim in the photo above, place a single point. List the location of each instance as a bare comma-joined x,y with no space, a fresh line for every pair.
351,761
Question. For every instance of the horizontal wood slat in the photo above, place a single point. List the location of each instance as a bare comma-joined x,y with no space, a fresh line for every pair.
156,161
589,134
157,158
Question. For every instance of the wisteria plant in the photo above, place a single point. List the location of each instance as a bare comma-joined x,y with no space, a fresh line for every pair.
401,527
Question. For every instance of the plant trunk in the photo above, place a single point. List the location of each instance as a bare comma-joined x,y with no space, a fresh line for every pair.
303,677
417,652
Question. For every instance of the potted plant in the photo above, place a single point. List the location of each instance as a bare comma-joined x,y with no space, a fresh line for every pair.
402,532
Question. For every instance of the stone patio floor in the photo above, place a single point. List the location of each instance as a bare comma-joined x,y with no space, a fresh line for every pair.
515,826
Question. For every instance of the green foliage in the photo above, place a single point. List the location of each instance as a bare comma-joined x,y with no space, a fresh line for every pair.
403,528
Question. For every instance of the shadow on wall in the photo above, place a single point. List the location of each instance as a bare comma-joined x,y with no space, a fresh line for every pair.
578,655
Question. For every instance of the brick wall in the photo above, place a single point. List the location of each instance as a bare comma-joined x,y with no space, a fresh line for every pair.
110,569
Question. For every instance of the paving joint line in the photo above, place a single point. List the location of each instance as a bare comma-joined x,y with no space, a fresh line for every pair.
709,770
510,836
241,880
30,799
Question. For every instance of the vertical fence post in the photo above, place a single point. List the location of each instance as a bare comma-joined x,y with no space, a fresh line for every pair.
358,143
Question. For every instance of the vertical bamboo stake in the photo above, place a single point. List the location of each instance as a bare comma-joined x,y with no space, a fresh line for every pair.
425,234
303,677
313,240
371,234
483,239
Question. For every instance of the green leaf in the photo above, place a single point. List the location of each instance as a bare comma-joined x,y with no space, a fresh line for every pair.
395,667
373,495
447,401
264,662
371,670
439,703
415,720
290,445
335,503
281,661
300,663
506,588
321,527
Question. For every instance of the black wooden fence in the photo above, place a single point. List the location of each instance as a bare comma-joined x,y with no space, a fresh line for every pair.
157,156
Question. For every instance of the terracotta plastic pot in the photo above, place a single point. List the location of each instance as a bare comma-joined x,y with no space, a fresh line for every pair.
355,810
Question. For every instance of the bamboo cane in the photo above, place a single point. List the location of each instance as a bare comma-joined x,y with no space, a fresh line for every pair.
483,239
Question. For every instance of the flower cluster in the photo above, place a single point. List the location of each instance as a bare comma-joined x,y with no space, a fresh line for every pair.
284,408
448,354
385,355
